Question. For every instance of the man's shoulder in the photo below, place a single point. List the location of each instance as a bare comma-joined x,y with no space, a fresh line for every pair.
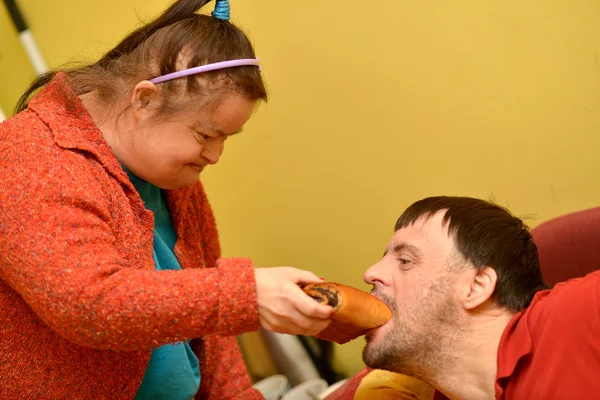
551,349
568,313
568,297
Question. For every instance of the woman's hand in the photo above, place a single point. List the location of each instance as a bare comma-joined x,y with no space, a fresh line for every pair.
283,307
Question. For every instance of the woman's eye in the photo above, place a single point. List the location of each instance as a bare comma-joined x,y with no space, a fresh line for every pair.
201,135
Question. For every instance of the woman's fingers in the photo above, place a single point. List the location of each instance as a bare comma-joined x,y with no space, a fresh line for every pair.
283,307
308,306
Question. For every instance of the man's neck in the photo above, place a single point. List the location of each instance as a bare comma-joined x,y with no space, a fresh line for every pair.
474,355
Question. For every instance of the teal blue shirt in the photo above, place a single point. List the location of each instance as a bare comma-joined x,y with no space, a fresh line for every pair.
173,372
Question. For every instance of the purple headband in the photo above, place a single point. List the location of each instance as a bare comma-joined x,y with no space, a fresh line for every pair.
205,68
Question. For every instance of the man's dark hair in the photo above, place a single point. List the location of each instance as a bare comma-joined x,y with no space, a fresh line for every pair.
488,235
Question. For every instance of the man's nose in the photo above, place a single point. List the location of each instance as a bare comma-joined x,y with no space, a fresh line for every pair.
376,273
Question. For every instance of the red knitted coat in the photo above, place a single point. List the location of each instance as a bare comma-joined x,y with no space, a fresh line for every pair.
81,304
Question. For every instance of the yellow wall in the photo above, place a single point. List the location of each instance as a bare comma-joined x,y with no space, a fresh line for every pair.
373,106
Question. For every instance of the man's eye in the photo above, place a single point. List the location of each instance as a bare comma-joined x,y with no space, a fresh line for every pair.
405,264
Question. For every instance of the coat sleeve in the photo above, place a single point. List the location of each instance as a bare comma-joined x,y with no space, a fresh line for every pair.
59,252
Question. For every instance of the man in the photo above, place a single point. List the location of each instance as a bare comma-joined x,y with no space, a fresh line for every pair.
471,314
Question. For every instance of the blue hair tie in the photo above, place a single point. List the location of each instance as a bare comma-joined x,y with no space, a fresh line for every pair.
221,10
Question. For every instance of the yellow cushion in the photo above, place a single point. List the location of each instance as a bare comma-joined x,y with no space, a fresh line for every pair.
384,385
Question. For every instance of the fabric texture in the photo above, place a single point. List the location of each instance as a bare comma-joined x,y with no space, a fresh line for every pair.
568,245
348,389
385,385
377,384
81,304
173,372
552,349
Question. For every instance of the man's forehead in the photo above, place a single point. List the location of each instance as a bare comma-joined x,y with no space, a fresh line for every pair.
425,231
433,223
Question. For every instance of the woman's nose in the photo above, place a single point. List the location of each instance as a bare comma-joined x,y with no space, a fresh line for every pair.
212,150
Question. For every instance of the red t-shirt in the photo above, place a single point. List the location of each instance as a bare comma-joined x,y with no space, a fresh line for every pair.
552,349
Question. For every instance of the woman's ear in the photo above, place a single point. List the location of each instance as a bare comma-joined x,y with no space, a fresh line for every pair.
144,99
480,284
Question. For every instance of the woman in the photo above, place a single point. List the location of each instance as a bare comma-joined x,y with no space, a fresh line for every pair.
111,285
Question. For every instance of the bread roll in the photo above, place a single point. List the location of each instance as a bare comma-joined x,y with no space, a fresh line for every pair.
356,311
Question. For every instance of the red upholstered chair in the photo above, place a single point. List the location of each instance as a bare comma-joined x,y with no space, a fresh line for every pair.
569,245
346,391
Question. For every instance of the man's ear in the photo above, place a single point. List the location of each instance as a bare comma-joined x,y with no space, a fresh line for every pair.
144,99
479,286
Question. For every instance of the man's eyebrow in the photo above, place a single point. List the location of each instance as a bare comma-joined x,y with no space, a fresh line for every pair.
398,247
